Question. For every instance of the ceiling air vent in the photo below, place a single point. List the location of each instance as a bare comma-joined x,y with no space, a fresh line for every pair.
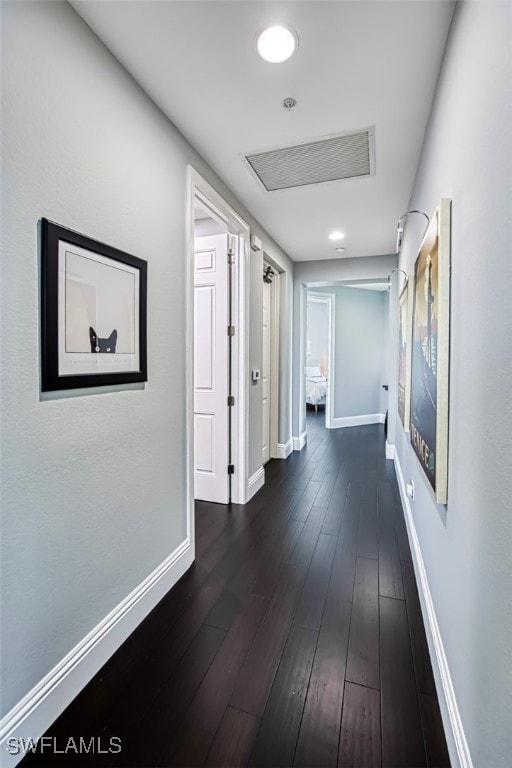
337,157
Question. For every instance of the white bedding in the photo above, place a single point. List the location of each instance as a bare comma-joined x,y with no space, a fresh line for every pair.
316,389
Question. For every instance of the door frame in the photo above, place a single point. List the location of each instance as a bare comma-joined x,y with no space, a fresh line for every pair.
274,358
198,189
330,300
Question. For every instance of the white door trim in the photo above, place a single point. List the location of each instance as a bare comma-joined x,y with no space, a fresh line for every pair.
199,189
300,440
274,451
266,366
274,366
330,300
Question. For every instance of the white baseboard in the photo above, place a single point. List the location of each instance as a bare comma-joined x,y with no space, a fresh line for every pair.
457,744
34,714
284,449
256,482
299,442
358,421
390,450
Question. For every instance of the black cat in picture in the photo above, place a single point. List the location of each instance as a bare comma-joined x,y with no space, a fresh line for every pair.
102,345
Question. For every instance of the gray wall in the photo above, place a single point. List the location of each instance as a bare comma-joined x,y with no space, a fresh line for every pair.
316,274
360,354
467,545
317,332
93,486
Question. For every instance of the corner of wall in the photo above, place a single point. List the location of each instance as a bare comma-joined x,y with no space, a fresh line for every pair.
34,714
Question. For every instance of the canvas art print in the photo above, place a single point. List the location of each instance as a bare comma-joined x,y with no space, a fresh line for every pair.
430,352
404,359
94,312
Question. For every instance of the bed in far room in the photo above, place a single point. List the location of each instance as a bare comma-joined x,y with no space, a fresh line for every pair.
316,386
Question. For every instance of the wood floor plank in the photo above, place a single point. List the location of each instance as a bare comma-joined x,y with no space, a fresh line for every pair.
257,674
270,570
343,480
302,478
311,605
303,507
227,607
308,538
261,556
341,586
333,517
367,543
320,728
402,736
320,471
211,529
203,717
435,741
386,501
360,740
352,509
403,540
217,550
363,650
420,653
319,452
261,560
233,742
163,712
390,569
277,735
293,500
356,468
178,639
324,494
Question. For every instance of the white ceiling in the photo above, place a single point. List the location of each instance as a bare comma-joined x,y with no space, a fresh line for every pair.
358,64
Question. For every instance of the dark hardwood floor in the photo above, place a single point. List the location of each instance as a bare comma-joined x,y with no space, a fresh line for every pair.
294,640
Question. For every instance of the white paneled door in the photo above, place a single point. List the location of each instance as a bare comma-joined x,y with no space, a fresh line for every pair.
265,371
211,382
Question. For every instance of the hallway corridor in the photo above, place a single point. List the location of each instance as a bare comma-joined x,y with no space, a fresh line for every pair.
295,639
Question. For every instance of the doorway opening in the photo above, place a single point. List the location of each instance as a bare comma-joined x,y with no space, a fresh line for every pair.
319,369
216,340
359,356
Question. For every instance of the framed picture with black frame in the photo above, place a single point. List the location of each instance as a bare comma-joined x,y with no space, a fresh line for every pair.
93,312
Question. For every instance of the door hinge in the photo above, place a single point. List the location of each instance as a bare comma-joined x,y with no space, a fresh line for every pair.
231,469
231,330
231,257
231,400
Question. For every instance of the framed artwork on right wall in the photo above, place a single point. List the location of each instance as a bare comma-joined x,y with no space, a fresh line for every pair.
431,352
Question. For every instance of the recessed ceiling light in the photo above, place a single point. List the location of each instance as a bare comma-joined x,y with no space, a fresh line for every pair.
276,44
336,236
